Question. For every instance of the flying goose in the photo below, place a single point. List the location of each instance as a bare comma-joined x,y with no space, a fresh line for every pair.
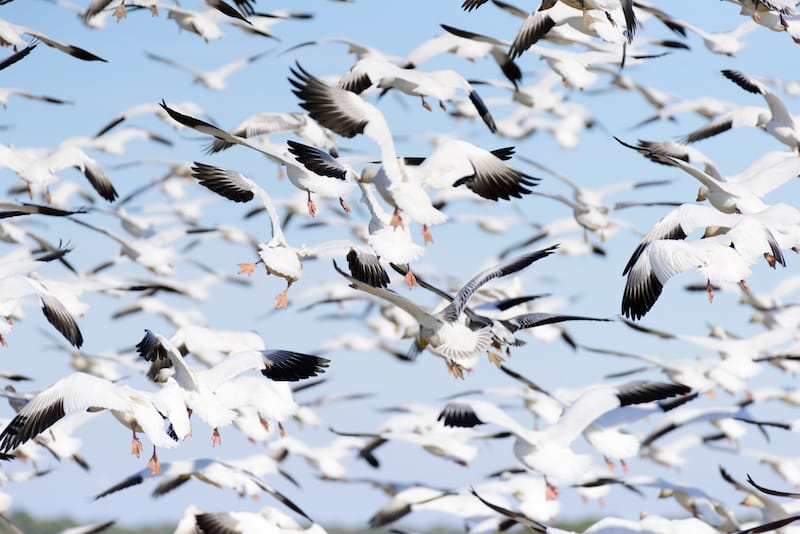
445,330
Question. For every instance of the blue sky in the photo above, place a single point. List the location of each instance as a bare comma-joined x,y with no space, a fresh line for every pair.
102,90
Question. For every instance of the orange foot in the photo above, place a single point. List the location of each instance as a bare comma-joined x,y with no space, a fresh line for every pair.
215,438
154,464
425,104
410,279
770,259
247,268
426,234
551,492
120,13
281,429
344,205
710,291
610,465
312,208
745,286
3,341
282,301
136,446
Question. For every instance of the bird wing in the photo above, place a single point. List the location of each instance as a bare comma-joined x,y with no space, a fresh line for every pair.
453,310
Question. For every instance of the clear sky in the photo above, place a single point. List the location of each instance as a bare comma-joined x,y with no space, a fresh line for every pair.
100,91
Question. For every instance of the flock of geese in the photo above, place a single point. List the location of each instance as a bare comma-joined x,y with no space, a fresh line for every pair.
402,211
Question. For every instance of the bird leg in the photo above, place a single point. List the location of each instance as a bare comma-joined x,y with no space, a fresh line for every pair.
154,464
281,298
281,430
397,221
264,423
154,10
312,209
248,268
344,205
120,13
745,286
624,466
710,291
442,106
136,445
550,492
216,439
455,369
495,358
410,279
609,464
425,104
426,234
770,259
756,16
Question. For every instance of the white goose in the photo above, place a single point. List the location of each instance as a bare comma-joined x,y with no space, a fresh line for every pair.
445,331
328,185
211,79
137,410
277,256
722,259
347,114
203,389
780,124
548,451
443,85
741,193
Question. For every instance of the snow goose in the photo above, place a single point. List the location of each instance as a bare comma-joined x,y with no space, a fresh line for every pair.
16,283
211,79
233,475
137,410
155,109
781,125
445,330
266,123
588,207
741,193
548,451
152,251
277,256
11,34
203,23
7,92
722,259
347,114
328,185
456,162
682,221
202,388
38,168
267,520
725,43
503,329
442,85
465,44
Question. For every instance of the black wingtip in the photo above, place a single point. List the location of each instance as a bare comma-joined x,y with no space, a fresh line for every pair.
289,366
151,349
459,415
